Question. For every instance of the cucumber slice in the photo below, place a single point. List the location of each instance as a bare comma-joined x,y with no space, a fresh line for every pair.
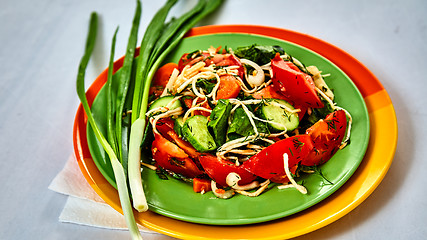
195,131
281,118
179,123
164,101
218,121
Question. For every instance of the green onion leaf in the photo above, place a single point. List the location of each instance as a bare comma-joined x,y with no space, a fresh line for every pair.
125,76
110,113
117,167
145,74
150,38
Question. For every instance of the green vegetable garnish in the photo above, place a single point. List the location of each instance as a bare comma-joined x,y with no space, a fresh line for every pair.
135,78
111,134
259,54
118,170
219,121
175,30
125,76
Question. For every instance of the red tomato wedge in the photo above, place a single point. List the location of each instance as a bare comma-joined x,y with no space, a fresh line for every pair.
284,178
269,164
156,91
294,84
161,78
218,169
184,145
188,101
165,127
269,92
201,184
188,60
224,60
169,156
327,136
229,87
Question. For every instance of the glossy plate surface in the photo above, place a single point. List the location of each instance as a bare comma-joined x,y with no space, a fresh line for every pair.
345,199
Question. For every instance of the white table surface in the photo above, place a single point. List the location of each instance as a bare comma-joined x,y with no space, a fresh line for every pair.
41,43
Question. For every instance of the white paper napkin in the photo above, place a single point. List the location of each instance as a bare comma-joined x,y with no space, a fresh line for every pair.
83,205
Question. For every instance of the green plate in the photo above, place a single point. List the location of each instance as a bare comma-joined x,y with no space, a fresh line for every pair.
177,200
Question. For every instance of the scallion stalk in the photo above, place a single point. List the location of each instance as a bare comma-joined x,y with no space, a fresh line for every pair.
159,40
111,135
151,36
174,34
117,167
125,76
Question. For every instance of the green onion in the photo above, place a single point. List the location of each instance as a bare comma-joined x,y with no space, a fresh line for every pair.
171,29
146,70
151,36
117,167
210,6
159,40
110,119
125,76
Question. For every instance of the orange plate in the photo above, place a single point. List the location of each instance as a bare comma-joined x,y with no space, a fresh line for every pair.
378,158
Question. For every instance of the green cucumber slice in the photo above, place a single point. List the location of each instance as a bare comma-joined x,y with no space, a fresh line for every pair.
195,131
179,123
164,101
279,117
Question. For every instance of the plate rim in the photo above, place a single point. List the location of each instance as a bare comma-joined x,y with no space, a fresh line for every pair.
264,31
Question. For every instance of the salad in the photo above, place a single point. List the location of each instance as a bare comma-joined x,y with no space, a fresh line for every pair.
234,121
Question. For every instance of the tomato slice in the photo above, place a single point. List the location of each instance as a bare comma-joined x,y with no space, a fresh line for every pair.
218,169
201,184
161,78
294,84
269,92
184,145
189,60
188,101
284,178
269,164
165,126
229,87
327,136
224,60
169,156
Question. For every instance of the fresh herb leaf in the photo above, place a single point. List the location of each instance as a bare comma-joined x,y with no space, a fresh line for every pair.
176,162
314,170
161,173
206,84
259,54
218,123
